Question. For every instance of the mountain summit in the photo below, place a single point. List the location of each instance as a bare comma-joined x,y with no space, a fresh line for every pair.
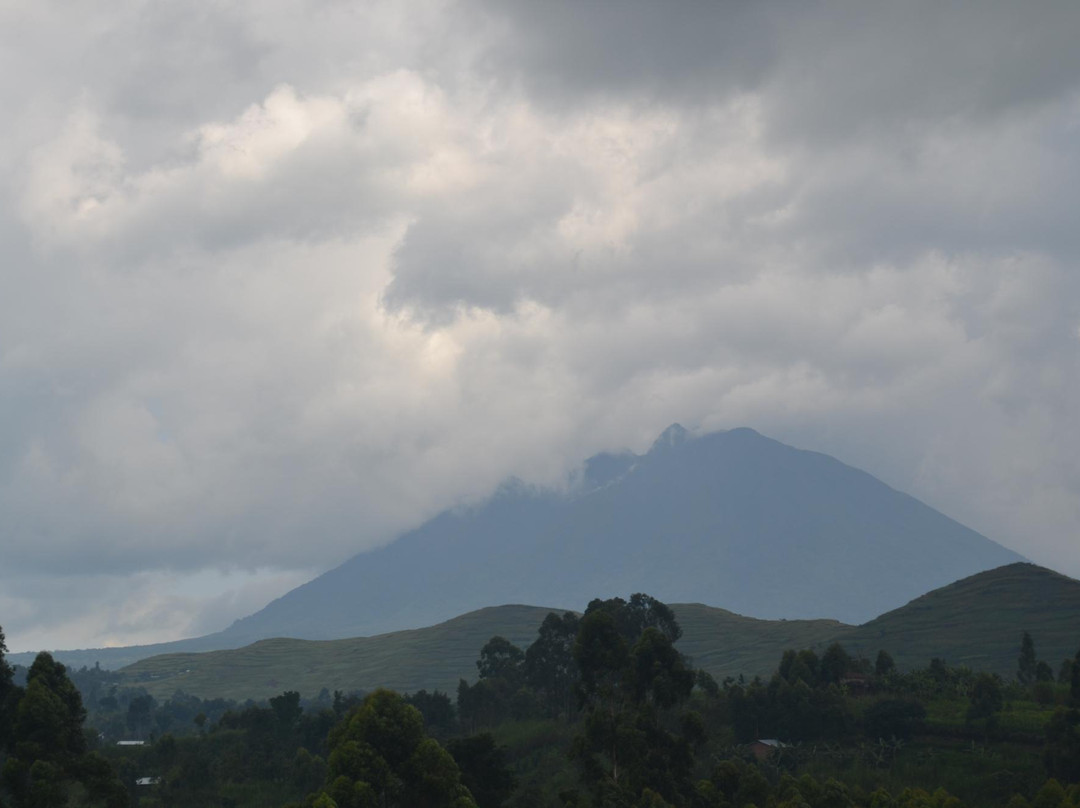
731,519
675,435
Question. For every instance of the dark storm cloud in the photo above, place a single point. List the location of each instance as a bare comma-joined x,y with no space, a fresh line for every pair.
568,52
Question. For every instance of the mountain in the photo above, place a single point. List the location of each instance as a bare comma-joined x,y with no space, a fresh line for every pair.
730,518
977,621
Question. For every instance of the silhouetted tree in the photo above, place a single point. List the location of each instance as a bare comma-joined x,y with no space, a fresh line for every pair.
1026,664
1062,752
380,756
550,668
628,682
835,662
440,719
9,697
48,748
986,697
501,659
884,664
893,718
484,769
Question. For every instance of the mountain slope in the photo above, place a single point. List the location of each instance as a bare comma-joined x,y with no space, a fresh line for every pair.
731,518
426,658
438,656
117,657
976,621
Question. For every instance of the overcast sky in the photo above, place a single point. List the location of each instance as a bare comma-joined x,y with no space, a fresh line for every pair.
280,279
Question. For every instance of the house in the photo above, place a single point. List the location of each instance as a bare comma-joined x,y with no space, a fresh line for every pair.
764,748
856,683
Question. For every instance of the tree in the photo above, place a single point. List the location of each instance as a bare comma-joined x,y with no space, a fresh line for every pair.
484,769
1074,681
140,713
884,664
48,748
1065,671
287,709
629,682
380,756
799,666
893,718
50,714
9,697
835,662
499,694
1026,664
501,659
550,668
437,710
1062,752
986,697
639,613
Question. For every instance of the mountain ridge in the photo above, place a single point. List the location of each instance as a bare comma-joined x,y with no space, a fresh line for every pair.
731,518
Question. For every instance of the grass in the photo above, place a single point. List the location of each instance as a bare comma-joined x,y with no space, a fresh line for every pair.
976,622
406,661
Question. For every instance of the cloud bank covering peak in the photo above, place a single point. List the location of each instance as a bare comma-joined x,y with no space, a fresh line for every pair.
283,279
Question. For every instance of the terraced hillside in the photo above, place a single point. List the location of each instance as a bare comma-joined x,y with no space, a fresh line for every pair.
976,621
433,657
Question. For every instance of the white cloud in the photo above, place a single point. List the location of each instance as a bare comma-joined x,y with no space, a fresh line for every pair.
283,279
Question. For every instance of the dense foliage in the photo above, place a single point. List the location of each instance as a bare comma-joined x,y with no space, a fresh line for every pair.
601,711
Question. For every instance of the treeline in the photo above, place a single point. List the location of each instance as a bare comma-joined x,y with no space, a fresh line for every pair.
600,711
45,757
828,729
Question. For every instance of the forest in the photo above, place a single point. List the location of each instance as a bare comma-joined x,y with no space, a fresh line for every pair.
599,711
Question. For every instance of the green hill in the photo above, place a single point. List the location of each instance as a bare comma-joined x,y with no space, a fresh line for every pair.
433,657
976,621
729,644
438,656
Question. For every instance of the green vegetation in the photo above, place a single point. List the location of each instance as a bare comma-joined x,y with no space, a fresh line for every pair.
976,621
973,622
604,709
44,756
405,661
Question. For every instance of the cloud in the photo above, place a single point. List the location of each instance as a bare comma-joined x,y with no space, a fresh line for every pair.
282,280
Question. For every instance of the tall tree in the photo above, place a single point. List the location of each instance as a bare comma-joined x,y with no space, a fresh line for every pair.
884,664
1026,664
835,662
49,754
50,715
550,668
9,697
380,756
630,682
498,694
1074,681
484,769
501,659
986,697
